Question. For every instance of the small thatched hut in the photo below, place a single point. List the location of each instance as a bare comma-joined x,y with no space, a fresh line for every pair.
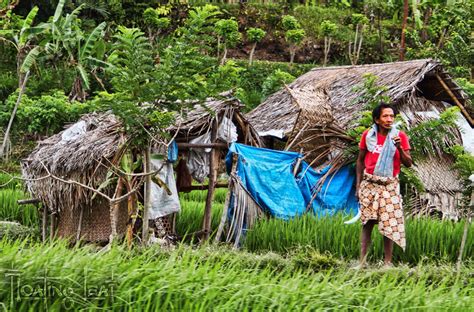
81,153
313,113
64,169
203,134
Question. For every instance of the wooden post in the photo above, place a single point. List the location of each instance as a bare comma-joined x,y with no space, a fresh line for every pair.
451,94
79,226
206,225
113,210
147,197
52,224
464,235
44,222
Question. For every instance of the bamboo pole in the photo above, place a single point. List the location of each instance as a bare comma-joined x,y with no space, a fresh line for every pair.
52,224
147,169
44,223
208,145
202,187
455,99
227,199
464,235
79,227
206,226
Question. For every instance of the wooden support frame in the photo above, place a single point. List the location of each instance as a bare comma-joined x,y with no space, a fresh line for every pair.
213,163
202,187
208,145
455,99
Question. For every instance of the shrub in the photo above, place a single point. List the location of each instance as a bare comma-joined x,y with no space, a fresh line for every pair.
275,81
44,115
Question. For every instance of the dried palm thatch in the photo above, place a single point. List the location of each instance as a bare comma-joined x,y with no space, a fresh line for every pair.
86,159
315,111
198,119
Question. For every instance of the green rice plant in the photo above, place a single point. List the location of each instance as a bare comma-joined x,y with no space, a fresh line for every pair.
7,183
10,210
211,278
201,195
426,238
189,220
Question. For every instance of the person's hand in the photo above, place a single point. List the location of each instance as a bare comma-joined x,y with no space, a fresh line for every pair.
397,141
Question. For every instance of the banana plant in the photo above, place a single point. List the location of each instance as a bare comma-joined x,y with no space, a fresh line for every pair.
82,52
23,40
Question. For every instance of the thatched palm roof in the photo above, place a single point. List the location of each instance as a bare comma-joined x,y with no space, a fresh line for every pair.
87,157
82,159
198,119
327,101
403,79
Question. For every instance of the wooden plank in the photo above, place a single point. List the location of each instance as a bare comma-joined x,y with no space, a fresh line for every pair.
28,201
208,145
52,224
202,187
44,222
455,99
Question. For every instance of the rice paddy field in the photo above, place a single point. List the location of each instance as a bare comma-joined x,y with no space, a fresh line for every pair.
303,264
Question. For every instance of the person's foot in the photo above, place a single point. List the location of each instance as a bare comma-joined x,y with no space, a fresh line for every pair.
388,265
359,266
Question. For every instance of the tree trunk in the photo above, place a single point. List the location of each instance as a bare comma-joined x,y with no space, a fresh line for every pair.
379,26
404,26
359,47
77,91
292,54
252,52
327,46
224,57
426,22
18,100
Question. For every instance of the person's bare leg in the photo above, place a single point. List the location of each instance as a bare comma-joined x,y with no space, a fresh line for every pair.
365,240
388,250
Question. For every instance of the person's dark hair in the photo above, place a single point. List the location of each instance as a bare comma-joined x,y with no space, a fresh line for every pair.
378,110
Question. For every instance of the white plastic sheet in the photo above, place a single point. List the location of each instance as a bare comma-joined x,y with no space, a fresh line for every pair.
198,160
163,204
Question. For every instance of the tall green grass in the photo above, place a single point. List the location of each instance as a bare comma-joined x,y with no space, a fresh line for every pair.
430,239
215,279
10,210
426,238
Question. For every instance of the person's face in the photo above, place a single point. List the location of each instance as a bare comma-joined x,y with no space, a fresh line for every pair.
386,118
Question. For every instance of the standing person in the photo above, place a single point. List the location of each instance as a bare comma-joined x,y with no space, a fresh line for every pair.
382,150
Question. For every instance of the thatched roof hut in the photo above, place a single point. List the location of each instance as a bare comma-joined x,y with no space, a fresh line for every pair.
200,118
87,152
83,154
313,113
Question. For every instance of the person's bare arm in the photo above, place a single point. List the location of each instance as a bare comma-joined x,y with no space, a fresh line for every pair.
360,166
405,156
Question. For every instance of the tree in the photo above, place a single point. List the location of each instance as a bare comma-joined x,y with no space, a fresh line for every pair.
156,21
254,35
294,34
359,21
83,52
27,53
404,26
228,33
328,29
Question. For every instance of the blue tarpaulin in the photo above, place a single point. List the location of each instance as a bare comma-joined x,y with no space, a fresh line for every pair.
268,176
